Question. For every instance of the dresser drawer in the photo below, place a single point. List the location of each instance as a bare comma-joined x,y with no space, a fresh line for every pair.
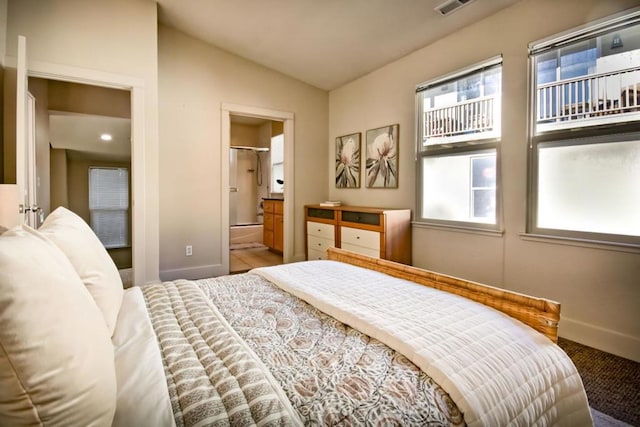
364,238
321,213
361,217
320,229
375,253
316,254
319,243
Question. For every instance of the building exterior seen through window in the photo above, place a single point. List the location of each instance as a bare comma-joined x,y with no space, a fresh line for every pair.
585,142
589,82
459,129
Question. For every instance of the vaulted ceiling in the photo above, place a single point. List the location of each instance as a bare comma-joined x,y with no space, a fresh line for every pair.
325,43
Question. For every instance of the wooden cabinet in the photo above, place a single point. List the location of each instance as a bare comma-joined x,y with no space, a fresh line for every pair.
278,226
380,233
273,224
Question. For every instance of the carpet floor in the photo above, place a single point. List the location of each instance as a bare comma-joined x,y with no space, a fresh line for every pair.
612,383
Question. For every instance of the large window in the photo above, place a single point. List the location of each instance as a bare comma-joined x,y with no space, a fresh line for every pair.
109,205
585,144
458,135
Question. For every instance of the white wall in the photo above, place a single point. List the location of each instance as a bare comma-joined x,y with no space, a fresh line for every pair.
117,37
195,79
599,288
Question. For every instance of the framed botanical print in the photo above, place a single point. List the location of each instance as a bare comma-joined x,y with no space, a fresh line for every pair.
348,161
382,157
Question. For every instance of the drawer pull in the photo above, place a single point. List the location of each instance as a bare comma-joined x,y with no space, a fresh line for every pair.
358,237
319,230
319,244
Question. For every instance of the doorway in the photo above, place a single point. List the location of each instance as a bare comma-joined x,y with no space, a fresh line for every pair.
145,267
235,116
251,174
83,159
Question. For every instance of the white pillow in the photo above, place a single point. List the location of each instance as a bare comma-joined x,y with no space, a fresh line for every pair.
56,355
90,259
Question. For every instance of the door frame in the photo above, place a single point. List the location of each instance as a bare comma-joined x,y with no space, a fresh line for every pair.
227,110
135,86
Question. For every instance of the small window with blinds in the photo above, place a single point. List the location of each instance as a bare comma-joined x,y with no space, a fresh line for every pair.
109,205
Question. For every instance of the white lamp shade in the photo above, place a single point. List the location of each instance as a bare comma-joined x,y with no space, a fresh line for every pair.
9,205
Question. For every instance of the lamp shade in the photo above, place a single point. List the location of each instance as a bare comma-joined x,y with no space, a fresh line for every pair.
9,205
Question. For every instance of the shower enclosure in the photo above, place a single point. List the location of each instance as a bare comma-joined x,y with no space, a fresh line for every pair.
248,180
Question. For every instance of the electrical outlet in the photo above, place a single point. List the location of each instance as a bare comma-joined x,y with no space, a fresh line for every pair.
188,250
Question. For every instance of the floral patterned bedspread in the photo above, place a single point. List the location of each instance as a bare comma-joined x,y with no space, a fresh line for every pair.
212,378
331,373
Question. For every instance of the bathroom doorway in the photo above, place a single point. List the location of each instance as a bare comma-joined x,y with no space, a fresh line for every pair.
251,183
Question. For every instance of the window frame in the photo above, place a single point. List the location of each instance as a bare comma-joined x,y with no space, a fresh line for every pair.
127,223
276,188
579,135
472,147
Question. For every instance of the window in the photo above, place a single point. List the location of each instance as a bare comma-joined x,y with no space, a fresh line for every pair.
483,188
585,146
458,134
277,164
109,205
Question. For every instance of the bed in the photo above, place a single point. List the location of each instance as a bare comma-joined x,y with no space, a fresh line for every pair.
351,340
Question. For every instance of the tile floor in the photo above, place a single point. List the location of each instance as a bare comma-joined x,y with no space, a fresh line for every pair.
242,260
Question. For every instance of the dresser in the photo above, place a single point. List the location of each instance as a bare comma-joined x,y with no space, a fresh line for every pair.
377,232
273,224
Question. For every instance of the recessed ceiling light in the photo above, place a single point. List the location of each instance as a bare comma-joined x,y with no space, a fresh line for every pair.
106,137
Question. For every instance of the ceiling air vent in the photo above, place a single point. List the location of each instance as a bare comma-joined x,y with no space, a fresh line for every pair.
450,6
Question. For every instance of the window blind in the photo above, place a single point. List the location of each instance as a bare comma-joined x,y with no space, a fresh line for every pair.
109,205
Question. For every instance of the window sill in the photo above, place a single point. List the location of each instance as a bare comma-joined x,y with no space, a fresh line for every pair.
458,229
584,243
117,247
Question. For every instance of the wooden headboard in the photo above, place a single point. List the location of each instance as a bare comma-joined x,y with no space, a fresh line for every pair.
541,314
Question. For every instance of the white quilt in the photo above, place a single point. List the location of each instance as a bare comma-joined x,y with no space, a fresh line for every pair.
498,371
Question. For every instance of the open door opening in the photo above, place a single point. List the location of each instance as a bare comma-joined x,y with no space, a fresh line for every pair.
256,163
276,198
68,100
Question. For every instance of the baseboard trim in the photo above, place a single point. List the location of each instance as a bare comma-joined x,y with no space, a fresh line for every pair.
193,273
613,342
298,258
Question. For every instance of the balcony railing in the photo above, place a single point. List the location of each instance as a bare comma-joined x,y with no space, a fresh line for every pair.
474,119
590,100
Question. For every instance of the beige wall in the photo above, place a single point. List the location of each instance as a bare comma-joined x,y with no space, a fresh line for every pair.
58,167
3,37
1,125
87,99
195,80
598,288
9,128
117,37
244,135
